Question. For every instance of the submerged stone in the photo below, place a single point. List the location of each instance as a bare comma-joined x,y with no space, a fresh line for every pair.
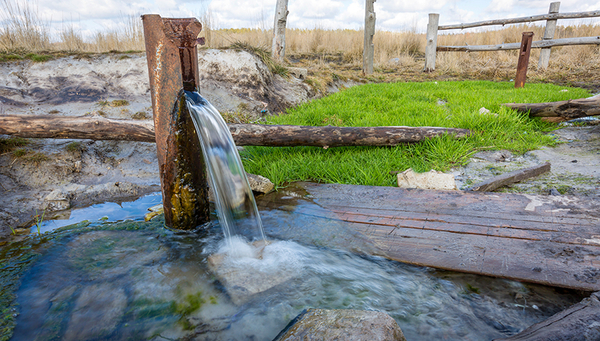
247,275
341,324
97,312
106,254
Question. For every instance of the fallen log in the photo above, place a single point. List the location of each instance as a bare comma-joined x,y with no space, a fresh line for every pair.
510,178
567,110
100,128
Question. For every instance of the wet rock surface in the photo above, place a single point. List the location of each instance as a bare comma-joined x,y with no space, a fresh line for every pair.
97,312
350,325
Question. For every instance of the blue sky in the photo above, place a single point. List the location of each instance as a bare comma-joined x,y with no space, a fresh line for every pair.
392,15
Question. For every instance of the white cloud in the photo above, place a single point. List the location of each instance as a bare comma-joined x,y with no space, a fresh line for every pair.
499,6
411,5
245,13
329,14
317,9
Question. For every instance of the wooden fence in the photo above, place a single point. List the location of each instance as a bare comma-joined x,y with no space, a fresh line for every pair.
545,44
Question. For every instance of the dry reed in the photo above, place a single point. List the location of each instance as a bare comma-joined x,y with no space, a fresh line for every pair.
23,32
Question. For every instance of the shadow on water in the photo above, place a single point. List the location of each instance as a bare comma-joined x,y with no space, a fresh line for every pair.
138,280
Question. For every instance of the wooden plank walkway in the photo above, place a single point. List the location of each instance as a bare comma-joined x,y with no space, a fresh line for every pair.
540,239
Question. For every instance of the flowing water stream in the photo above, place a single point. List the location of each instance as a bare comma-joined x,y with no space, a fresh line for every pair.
135,280
233,197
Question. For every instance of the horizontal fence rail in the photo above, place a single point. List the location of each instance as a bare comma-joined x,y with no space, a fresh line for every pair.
545,44
553,16
540,44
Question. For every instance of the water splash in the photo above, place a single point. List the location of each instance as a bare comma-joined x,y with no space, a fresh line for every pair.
235,203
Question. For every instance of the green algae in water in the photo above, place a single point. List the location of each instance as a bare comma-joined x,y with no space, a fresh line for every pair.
18,257
164,289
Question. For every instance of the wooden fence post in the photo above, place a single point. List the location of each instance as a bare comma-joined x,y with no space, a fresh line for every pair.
523,59
278,47
369,48
430,49
548,35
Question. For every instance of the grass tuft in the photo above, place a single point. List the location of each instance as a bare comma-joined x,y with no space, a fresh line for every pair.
38,58
10,143
119,103
36,158
74,147
264,55
442,104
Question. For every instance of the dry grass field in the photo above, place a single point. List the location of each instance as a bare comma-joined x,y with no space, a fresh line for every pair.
334,54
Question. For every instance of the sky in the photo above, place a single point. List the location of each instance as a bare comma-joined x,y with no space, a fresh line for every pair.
89,16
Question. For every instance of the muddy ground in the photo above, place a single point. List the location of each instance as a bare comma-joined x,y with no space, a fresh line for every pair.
48,176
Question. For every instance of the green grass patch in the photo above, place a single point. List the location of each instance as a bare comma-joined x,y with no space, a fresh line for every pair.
38,58
441,104
9,143
74,147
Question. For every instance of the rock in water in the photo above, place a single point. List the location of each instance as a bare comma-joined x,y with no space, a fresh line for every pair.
252,269
98,310
347,325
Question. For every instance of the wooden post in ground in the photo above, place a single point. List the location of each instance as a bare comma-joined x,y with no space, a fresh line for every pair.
430,49
278,47
548,35
369,48
523,59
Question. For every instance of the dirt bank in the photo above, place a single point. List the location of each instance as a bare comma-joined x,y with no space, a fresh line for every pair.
44,175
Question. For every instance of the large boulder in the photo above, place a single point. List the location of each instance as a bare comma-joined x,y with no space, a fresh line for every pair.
239,81
347,325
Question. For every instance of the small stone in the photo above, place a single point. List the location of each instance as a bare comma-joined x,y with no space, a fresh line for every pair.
156,208
259,183
243,282
574,161
553,191
348,325
298,72
484,111
430,180
57,200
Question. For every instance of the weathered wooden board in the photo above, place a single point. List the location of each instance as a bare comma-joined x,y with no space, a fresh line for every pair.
579,322
540,239
510,178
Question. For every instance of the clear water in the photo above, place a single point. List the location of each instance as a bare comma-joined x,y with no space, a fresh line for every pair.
139,281
234,200
108,211
109,283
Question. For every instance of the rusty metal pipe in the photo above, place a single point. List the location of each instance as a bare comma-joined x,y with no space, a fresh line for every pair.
173,67
523,62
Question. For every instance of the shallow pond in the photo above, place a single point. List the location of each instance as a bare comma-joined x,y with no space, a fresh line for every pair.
136,280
